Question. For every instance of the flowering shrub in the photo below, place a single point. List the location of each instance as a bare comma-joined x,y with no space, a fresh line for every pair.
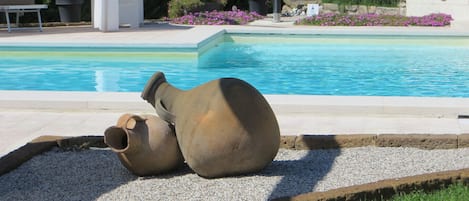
217,18
177,8
332,19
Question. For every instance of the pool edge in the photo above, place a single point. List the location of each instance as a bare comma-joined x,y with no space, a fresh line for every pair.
433,107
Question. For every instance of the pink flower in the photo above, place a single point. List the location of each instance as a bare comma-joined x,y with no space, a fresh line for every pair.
331,19
217,18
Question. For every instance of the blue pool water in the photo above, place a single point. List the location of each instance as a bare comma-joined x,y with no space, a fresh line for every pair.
314,65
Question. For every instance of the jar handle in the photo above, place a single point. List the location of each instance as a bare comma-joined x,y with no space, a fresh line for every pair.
162,112
131,122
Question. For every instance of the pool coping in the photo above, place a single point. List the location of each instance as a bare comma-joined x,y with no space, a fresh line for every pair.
432,107
196,37
199,39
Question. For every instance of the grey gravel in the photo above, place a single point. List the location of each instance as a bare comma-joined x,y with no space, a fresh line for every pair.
98,175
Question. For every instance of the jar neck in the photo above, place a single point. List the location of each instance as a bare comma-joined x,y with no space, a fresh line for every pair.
162,96
168,96
152,85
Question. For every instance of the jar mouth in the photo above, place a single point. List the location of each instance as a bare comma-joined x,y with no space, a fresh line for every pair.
117,138
153,83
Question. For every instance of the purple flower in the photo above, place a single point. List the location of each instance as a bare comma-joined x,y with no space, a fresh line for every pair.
217,18
332,19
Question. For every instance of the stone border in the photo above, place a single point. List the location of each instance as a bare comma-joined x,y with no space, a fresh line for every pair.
421,141
42,144
371,191
385,189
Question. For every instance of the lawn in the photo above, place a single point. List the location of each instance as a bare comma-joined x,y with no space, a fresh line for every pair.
455,192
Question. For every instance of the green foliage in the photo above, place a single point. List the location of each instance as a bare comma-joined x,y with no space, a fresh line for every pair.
178,8
455,192
385,3
155,9
240,4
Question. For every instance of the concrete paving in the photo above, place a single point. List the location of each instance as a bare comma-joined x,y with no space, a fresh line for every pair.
28,114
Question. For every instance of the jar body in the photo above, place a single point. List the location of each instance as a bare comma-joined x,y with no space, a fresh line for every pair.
224,127
145,144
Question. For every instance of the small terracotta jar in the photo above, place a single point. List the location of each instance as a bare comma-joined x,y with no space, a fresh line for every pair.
145,144
224,127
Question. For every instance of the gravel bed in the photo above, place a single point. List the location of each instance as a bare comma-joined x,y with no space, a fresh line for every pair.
97,174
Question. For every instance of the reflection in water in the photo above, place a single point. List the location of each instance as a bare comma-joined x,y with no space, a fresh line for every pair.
107,80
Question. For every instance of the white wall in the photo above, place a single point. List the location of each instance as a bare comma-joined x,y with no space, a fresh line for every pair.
131,12
459,9
107,15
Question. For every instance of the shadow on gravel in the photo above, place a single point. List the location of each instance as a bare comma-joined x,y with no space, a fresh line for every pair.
67,175
181,171
301,176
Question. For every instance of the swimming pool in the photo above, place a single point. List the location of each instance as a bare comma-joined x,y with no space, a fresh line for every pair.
275,64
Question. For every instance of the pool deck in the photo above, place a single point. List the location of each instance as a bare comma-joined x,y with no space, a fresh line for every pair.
168,35
28,114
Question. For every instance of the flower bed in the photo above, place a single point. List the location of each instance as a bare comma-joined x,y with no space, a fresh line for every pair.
237,17
332,19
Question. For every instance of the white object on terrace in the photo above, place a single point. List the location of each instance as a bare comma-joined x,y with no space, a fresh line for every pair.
131,13
312,9
19,9
108,15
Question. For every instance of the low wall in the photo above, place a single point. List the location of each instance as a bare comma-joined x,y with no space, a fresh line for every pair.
300,9
362,9
459,9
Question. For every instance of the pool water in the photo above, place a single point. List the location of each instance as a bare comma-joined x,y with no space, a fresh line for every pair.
275,64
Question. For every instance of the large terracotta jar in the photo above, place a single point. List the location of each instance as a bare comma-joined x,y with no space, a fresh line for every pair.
145,144
224,127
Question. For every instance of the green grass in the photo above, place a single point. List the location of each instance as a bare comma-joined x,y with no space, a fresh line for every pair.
455,192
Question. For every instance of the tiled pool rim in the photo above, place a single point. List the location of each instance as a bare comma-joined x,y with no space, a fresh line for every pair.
202,37
380,106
